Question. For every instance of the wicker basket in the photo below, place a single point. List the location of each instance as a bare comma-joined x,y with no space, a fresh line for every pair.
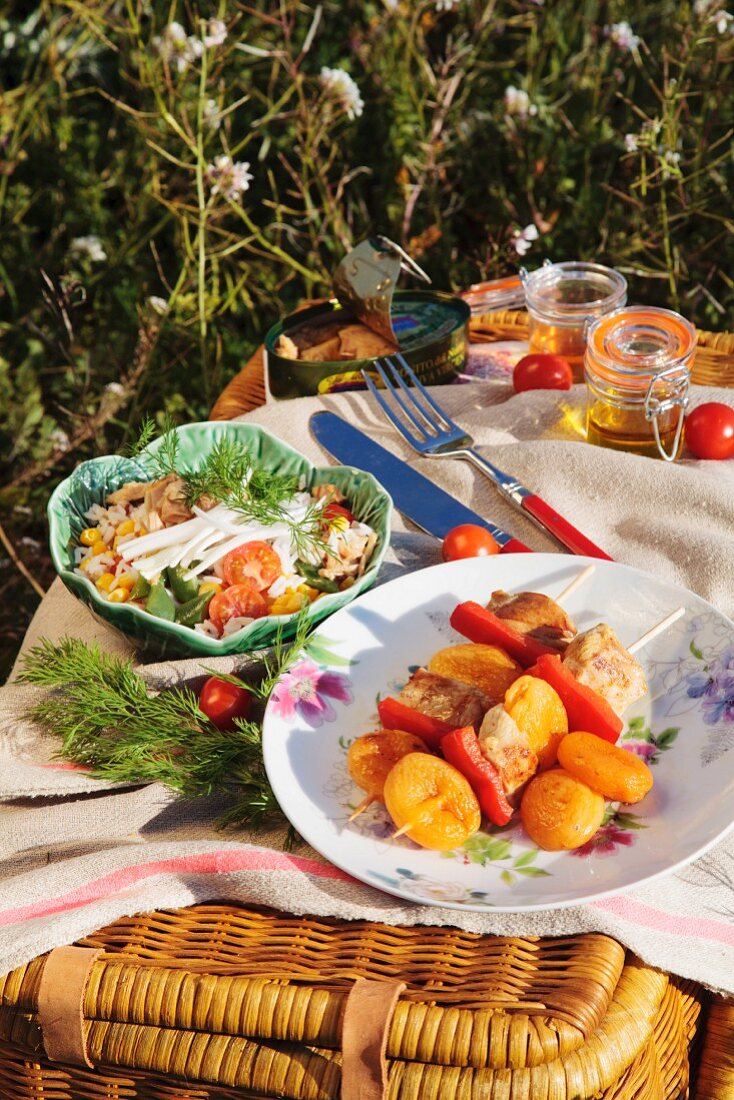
250,999
713,364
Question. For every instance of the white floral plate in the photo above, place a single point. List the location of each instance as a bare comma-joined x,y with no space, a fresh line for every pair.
684,728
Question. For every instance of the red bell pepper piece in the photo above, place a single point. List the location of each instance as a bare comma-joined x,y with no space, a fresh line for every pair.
397,716
586,709
462,749
480,625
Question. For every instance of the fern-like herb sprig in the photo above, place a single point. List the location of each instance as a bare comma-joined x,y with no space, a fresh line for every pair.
229,475
108,720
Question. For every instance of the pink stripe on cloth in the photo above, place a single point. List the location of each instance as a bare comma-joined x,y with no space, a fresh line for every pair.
672,924
209,863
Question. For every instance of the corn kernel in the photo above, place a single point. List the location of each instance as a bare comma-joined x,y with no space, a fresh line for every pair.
125,580
105,581
311,593
126,527
339,523
118,595
100,548
84,565
90,535
209,586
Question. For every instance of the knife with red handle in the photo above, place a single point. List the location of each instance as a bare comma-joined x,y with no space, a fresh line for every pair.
536,509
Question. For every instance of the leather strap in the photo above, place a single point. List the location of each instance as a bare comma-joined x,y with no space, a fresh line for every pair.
365,1026
61,1001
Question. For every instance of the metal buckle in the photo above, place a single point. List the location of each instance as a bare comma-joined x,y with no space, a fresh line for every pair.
654,407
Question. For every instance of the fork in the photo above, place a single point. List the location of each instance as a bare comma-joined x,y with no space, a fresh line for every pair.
436,435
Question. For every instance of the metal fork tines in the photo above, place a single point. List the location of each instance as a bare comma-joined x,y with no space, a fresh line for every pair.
436,435
423,424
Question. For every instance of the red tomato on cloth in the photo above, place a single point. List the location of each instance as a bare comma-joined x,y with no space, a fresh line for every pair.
542,372
222,702
238,599
468,540
253,561
709,430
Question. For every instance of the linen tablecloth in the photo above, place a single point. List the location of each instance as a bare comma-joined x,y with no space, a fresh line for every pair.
77,853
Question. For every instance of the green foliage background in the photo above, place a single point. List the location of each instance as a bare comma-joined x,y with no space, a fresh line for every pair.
622,151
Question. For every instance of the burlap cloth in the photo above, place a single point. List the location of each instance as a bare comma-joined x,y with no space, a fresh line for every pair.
78,853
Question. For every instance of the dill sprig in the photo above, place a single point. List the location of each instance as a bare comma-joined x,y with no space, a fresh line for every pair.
108,721
229,475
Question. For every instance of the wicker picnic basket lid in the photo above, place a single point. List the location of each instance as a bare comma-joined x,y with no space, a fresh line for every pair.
253,999
713,363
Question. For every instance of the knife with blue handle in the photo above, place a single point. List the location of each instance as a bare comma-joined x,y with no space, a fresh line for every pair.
413,494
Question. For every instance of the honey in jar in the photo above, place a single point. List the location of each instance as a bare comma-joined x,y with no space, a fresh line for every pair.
562,299
637,369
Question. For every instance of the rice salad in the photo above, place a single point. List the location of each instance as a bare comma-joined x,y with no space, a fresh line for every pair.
198,559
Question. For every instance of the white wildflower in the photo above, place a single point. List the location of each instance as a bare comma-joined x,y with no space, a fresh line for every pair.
89,246
447,5
59,439
622,35
517,103
523,239
670,161
391,5
177,48
212,114
228,178
631,142
115,389
9,40
711,11
339,84
158,305
215,33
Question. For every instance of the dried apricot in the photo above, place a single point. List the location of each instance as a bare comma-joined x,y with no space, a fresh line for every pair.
560,812
431,801
612,771
538,711
485,666
371,757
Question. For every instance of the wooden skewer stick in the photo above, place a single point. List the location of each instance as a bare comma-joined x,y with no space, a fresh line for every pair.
367,801
431,804
657,629
577,581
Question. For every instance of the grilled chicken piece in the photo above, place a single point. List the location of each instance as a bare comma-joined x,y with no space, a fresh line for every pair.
536,615
508,748
441,697
598,659
167,497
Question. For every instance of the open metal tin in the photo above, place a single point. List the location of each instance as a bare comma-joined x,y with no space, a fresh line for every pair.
430,328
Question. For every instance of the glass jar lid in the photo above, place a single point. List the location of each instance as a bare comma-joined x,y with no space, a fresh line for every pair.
635,344
574,290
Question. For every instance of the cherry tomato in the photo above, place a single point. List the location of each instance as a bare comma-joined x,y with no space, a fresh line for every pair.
332,511
710,430
542,372
253,561
238,599
222,702
468,540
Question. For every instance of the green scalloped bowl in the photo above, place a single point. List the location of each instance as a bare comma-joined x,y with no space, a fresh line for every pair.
92,481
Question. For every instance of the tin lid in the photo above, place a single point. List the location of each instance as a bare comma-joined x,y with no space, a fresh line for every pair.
365,280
